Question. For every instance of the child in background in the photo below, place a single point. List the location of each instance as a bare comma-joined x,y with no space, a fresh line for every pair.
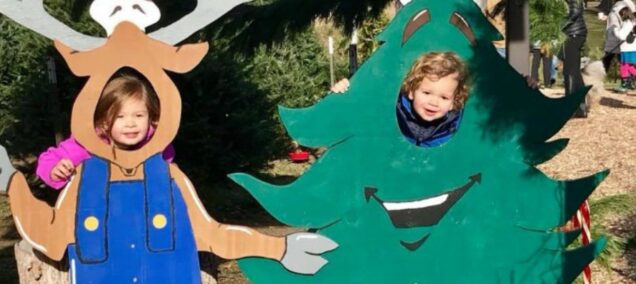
624,32
614,21
125,117
541,56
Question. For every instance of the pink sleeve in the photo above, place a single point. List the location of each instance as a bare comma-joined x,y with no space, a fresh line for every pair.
68,149
168,153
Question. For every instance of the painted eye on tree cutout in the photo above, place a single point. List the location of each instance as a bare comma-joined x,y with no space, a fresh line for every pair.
461,23
415,23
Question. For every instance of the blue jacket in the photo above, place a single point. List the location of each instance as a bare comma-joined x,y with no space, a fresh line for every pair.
424,133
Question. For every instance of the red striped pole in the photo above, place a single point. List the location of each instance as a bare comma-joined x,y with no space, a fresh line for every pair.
582,220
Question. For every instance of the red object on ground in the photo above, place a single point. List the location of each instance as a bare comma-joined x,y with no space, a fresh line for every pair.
299,156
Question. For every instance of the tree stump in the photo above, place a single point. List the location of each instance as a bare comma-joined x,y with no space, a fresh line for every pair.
34,267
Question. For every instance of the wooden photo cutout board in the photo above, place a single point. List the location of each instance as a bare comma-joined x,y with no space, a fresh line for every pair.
128,215
472,210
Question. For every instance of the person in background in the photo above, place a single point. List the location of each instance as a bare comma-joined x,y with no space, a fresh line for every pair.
625,34
541,55
614,21
496,13
604,8
576,32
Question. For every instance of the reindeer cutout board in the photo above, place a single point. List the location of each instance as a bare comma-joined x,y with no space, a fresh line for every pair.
127,215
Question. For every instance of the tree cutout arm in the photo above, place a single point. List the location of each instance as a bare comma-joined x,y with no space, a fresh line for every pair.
179,59
48,229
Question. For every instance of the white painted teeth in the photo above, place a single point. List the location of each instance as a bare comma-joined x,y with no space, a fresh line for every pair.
418,204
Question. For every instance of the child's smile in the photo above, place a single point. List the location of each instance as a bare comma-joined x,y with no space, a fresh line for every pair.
131,124
434,97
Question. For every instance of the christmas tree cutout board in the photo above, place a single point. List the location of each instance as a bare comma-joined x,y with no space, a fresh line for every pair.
474,209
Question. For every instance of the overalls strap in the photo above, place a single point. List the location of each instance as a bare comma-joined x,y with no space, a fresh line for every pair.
159,204
92,211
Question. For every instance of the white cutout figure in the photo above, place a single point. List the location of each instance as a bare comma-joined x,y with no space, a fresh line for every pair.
109,13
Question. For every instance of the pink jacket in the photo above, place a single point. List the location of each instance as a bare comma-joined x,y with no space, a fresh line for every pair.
72,150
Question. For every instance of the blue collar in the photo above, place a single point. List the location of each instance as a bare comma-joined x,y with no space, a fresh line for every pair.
425,133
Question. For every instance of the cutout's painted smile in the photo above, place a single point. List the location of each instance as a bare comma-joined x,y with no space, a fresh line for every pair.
423,212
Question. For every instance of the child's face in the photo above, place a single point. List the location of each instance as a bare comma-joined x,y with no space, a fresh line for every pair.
434,97
131,124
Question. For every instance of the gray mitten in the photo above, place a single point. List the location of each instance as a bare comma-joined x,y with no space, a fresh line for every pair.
6,170
303,251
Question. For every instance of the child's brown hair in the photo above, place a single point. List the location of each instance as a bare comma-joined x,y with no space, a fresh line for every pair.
117,91
435,65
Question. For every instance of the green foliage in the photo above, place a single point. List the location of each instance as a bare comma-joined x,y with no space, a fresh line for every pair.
367,33
546,20
29,101
229,120
24,89
617,203
271,21
293,73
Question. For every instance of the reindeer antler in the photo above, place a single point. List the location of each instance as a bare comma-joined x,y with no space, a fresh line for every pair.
206,12
31,14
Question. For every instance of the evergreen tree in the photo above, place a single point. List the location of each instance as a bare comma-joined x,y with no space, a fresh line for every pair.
484,213
546,20
27,116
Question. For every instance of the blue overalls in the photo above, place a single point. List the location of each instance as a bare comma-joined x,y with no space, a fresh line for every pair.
132,231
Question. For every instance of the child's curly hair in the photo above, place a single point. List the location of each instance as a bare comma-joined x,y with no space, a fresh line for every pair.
435,65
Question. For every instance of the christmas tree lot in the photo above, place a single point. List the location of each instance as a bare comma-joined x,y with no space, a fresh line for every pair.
472,210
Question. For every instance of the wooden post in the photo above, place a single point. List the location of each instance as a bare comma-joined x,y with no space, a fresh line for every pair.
518,35
353,53
34,267
54,99
331,71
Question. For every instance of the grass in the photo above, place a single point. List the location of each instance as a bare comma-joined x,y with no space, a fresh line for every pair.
595,43
603,210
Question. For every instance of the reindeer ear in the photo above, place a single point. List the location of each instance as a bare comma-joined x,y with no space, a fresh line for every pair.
184,58
73,58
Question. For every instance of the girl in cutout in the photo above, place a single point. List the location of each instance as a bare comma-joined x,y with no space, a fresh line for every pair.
126,117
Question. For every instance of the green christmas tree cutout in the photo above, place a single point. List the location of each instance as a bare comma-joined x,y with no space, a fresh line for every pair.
472,210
